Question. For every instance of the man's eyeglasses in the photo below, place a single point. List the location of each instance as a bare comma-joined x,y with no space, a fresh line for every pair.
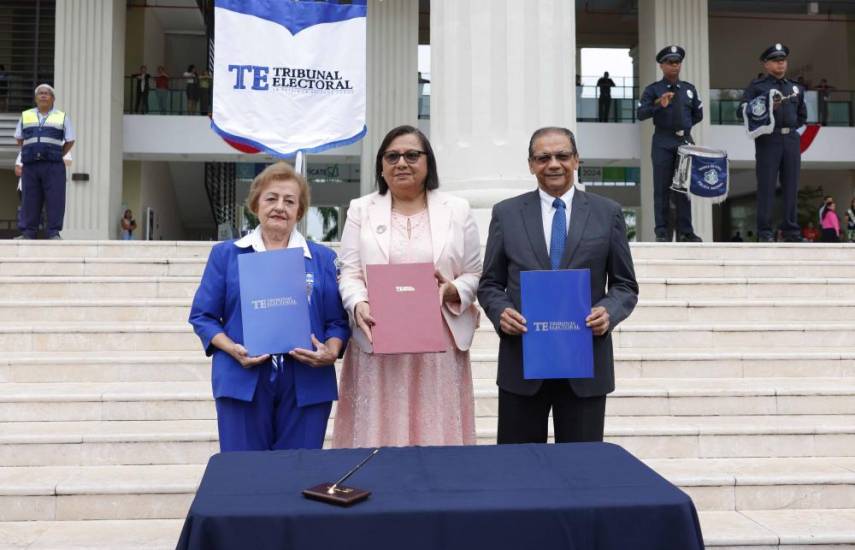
546,158
412,157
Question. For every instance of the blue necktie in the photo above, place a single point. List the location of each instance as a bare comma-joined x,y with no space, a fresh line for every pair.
559,233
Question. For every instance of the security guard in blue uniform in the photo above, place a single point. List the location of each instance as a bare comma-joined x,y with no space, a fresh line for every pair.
675,107
778,154
45,135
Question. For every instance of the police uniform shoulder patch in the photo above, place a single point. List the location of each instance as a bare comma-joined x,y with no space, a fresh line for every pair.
690,94
795,89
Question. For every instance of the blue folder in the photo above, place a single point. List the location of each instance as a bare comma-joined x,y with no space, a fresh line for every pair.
274,303
557,343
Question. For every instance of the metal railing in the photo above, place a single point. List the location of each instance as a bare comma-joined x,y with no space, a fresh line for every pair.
174,99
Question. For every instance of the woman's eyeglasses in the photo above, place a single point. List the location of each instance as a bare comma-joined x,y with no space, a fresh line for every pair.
412,157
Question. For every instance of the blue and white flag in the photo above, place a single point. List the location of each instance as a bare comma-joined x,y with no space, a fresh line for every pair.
289,76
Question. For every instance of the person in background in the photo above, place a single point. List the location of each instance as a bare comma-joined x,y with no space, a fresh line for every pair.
810,232
605,84
823,90
205,86
45,135
675,107
161,90
191,81
281,401
142,85
826,200
830,224
129,224
850,222
411,398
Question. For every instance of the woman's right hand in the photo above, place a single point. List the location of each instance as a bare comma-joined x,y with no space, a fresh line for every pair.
242,356
364,320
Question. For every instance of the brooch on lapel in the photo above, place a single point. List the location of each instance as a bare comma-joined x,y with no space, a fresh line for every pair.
381,229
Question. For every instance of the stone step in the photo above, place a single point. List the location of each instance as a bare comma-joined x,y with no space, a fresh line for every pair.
151,310
832,252
818,529
739,484
188,366
739,311
188,249
70,493
712,336
193,266
83,336
729,267
176,310
43,287
101,267
65,402
193,441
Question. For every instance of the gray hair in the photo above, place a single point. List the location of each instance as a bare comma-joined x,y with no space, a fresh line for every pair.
46,86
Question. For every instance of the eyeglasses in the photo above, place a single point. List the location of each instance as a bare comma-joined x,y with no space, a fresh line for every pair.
546,158
412,157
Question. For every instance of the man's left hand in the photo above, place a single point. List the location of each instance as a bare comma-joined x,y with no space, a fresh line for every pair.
323,355
598,320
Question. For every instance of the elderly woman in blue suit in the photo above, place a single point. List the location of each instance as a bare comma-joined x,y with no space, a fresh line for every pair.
284,401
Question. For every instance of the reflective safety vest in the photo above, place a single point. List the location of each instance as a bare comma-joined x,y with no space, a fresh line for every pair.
42,141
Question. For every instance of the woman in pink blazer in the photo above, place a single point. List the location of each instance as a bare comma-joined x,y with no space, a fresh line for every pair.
422,398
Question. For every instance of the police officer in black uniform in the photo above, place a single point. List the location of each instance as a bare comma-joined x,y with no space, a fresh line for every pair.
675,107
778,154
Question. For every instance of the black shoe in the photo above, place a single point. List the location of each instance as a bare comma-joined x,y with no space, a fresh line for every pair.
689,238
765,239
794,238
662,239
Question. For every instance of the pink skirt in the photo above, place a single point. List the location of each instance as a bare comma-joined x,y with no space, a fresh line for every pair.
403,400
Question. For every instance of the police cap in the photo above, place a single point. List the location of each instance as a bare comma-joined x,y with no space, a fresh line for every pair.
670,53
775,51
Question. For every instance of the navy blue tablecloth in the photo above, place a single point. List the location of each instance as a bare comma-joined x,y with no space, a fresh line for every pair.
569,496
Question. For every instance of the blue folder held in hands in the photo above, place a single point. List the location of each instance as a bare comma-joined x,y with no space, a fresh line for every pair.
274,303
557,343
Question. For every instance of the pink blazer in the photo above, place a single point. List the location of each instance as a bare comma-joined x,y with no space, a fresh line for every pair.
456,254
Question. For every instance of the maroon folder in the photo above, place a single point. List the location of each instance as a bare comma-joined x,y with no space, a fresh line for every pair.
405,305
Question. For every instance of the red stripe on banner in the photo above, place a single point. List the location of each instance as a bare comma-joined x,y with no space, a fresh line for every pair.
807,137
241,147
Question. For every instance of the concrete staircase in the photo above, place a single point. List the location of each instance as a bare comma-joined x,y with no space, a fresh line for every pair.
736,381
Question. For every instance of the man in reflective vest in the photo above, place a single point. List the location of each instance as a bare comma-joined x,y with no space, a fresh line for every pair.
45,135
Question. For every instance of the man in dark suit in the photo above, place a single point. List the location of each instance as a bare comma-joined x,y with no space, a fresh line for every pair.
555,227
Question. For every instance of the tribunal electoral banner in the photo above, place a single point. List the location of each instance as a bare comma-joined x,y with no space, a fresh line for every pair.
557,343
274,302
289,76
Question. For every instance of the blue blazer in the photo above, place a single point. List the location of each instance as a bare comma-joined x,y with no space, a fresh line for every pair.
216,308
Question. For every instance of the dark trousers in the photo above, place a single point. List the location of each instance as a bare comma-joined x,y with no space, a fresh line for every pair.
605,106
141,105
664,165
20,212
43,185
777,155
525,419
272,420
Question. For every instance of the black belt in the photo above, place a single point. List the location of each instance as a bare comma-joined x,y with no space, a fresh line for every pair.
678,133
784,131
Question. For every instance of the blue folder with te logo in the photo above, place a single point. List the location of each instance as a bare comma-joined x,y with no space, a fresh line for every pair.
274,304
557,343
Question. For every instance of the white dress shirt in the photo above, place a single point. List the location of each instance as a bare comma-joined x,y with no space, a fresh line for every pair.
548,212
253,239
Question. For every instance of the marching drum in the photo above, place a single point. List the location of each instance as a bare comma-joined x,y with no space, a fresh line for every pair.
701,172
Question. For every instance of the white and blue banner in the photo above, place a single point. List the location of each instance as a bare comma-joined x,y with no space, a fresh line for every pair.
289,76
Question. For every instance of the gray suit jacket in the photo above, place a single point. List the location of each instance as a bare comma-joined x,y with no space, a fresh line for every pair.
596,240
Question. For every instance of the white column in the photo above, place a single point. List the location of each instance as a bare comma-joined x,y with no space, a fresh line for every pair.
500,69
392,76
88,68
685,23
